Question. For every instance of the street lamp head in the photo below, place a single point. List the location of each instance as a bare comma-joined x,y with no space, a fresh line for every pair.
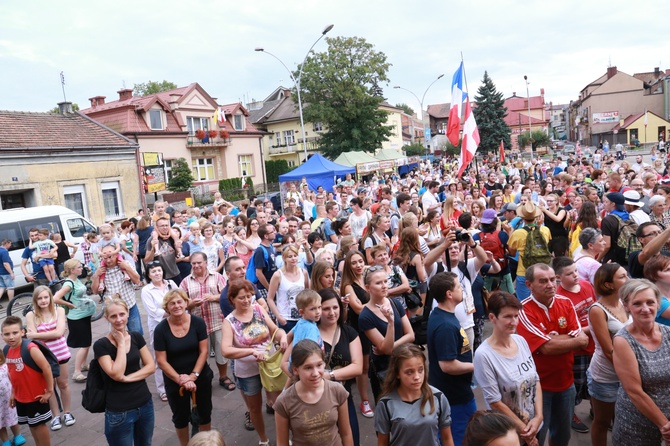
525,77
440,76
396,86
327,29
259,49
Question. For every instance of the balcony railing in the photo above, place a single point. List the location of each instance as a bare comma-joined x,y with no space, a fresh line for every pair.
297,147
193,142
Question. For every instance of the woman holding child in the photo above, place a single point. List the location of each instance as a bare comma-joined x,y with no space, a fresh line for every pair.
247,331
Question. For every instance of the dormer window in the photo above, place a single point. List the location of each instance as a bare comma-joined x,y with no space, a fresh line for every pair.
238,122
156,119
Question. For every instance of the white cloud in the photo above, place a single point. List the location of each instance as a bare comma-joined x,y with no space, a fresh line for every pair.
561,46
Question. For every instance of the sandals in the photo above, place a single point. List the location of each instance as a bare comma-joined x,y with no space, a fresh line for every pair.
84,368
248,425
163,397
80,378
227,383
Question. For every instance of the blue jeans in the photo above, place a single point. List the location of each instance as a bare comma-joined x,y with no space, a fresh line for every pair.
134,321
522,291
289,326
353,420
460,415
557,408
130,428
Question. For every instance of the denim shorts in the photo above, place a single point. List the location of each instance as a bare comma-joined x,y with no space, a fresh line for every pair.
605,392
249,386
6,282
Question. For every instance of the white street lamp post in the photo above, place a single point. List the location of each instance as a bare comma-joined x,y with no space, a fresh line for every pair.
296,82
423,120
530,124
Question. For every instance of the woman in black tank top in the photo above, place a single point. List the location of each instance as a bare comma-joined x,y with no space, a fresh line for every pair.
554,219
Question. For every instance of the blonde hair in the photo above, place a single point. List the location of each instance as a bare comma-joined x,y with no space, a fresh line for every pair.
306,297
115,300
292,248
347,242
36,309
68,266
173,294
207,438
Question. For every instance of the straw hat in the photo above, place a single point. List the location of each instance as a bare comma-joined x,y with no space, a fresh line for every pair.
528,211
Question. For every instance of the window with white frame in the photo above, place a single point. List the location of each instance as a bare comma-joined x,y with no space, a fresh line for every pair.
75,199
246,162
203,169
289,137
317,127
238,122
194,123
167,165
291,163
277,138
156,119
111,200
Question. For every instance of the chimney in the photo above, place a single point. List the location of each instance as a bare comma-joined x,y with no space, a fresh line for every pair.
97,100
174,101
514,94
65,108
125,94
611,71
287,93
542,94
657,71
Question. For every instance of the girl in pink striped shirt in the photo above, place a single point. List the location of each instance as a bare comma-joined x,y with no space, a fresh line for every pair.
47,323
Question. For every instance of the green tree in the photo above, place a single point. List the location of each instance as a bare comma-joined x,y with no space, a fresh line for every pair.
406,108
274,168
341,88
152,87
539,139
414,149
75,108
489,114
182,177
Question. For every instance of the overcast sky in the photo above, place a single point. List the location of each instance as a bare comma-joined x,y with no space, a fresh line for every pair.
101,46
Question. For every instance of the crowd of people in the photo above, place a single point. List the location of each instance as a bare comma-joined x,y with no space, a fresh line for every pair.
385,283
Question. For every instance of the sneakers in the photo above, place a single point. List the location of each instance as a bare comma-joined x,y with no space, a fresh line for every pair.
19,440
366,410
578,426
55,424
68,419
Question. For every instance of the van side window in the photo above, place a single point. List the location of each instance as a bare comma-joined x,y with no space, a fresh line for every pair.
12,231
51,223
78,227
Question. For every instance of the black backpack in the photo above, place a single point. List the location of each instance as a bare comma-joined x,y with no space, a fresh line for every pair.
94,395
30,362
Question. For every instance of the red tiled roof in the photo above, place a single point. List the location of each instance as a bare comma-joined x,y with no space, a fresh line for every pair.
516,119
25,130
514,103
439,111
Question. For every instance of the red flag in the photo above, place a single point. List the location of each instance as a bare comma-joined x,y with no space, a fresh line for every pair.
502,152
470,140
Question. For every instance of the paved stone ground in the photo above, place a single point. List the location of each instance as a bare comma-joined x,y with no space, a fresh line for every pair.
228,414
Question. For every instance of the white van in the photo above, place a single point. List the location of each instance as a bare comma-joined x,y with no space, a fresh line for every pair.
16,223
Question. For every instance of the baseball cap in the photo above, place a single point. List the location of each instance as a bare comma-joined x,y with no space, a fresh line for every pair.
488,216
509,207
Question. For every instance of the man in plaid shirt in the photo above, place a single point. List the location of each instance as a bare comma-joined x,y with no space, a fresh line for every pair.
204,290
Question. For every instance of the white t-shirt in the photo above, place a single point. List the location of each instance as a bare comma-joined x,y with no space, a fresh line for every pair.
465,317
358,224
428,200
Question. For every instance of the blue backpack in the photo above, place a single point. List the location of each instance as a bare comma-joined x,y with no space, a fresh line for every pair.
251,268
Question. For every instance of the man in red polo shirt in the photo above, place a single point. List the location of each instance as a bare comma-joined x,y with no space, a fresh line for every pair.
551,327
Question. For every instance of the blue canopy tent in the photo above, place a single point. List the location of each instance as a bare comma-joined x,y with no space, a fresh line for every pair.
318,171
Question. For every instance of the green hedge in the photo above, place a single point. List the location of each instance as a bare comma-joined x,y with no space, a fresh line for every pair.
274,168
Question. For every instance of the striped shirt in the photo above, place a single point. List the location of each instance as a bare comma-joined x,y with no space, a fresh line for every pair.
57,346
196,289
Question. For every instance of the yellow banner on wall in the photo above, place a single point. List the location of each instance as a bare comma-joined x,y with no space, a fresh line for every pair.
151,159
